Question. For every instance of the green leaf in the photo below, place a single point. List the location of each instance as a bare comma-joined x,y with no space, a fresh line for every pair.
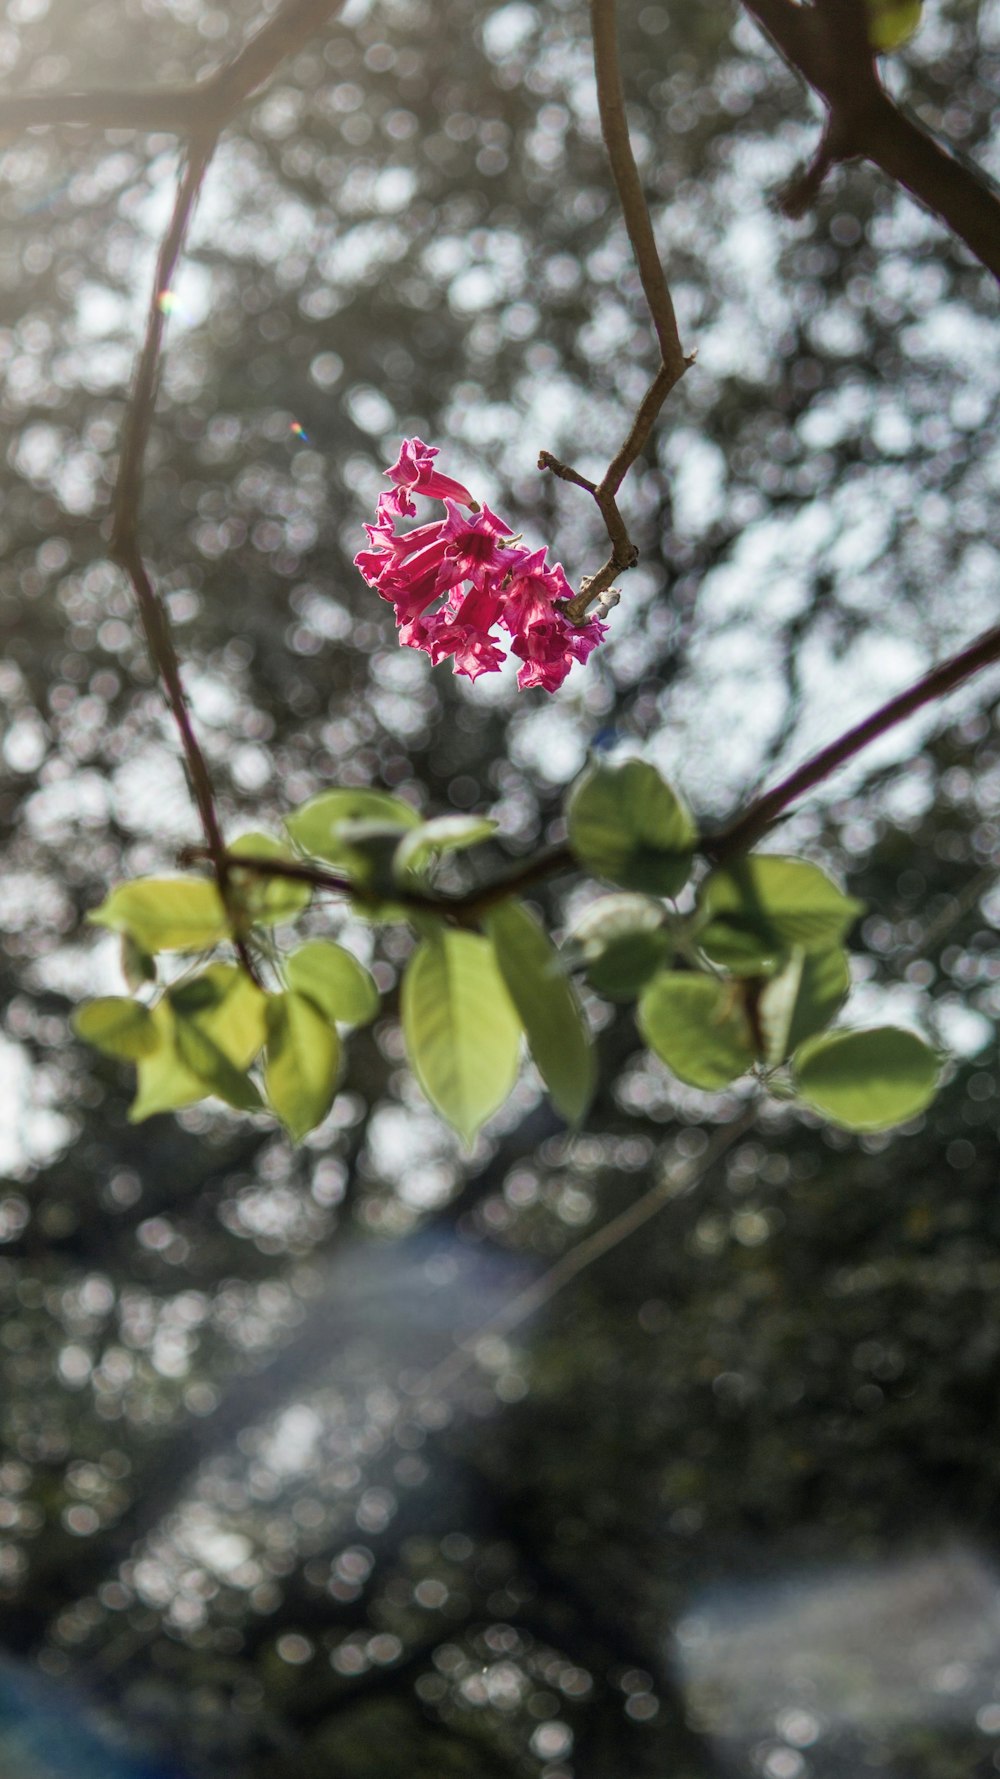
301,1062
446,833
213,1068
165,1083
801,1000
315,827
165,913
462,1032
553,1020
623,940
117,1026
138,968
755,911
627,824
266,901
698,1026
334,981
891,23
227,1007
866,1080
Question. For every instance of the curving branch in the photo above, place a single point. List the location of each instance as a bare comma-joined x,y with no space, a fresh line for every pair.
206,105
639,226
827,44
762,814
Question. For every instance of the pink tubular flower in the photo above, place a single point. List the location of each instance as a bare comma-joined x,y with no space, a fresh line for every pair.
483,575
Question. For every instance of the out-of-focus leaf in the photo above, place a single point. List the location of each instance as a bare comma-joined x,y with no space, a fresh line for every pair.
138,968
334,981
755,911
623,940
165,913
550,1012
266,901
117,1026
866,1080
315,827
698,1026
801,1000
227,1007
446,833
628,825
301,1062
462,1032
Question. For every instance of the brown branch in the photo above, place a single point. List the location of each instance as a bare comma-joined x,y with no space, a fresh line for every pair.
826,43
639,227
750,827
206,105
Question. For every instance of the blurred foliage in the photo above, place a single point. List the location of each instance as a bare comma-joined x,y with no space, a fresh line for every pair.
230,1529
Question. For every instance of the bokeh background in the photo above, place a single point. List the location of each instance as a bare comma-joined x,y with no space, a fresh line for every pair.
729,1505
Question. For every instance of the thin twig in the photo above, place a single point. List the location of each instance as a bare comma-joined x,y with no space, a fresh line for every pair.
206,105
639,227
754,822
585,1254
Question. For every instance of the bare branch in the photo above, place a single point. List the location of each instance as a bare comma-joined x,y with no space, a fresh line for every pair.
639,226
750,827
207,105
827,44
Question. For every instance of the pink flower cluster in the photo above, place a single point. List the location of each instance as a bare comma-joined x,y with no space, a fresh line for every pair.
480,574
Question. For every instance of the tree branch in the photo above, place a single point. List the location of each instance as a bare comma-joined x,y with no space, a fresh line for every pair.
207,105
750,827
827,44
639,227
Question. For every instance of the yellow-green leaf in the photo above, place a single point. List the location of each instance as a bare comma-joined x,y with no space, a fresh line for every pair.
165,913
462,1032
546,1001
754,912
164,1082
801,1000
301,1062
698,1026
229,1008
866,1080
335,981
314,827
117,1026
891,23
266,901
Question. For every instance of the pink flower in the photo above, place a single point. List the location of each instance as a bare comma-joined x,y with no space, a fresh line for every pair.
412,470
484,577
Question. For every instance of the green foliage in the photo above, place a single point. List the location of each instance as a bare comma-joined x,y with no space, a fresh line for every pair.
628,825
445,833
117,1026
165,913
867,1080
763,971
334,981
891,23
324,827
801,1000
266,901
550,1012
622,941
698,1026
753,913
302,1061
463,1035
